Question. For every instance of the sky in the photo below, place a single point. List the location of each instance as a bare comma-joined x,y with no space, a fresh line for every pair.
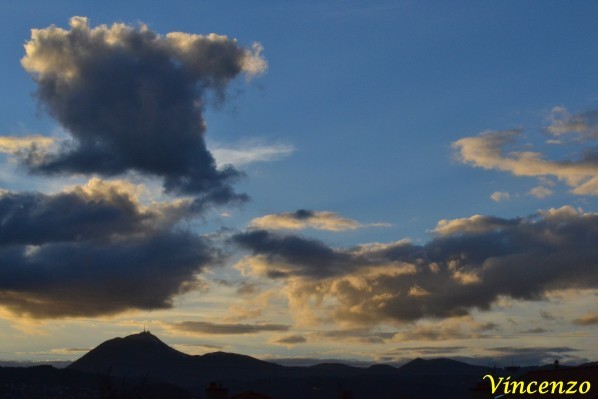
364,181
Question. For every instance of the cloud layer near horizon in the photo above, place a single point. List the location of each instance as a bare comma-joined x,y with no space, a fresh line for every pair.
469,264
205,327
132,100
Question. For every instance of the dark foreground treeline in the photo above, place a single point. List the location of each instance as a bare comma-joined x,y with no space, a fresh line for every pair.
420,380
47,382
322,382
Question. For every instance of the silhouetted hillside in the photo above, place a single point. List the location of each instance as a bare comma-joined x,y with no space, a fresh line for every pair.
144,358
42,382
440,367
143,355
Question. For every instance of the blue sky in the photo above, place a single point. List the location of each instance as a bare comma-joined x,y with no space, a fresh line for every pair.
383,114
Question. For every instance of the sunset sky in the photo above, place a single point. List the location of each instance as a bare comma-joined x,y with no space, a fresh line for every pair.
368,181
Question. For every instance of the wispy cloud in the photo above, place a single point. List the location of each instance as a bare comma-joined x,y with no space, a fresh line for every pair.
583,126
205,327
587,320
289,340
303,219
487,151
249,152
18,144
499,196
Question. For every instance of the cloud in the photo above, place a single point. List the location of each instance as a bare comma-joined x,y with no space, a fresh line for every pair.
587,320
249,152
303,219
449,329
427,350
537,330
204,347
248,289
94,250
16,144
469,264
541,192
289,340
510,355
132,100
487,151
583,125
278,256
98,210
69,350
473,224
205,327
368,337
547,316
498,196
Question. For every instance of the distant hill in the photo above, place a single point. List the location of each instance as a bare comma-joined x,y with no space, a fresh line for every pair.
144,357
50,382
440,367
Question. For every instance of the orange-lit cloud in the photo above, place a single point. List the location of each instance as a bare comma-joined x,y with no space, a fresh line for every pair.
488,151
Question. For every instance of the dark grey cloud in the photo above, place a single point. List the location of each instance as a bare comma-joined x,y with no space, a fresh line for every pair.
132,100
205,327
94,250
302,214
35,218
427,350
547,316
290,340
307,257
468,265
203,346
91,278
587,320
369,337
489,326
537,330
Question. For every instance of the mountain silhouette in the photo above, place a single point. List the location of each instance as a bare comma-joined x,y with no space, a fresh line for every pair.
142,366
439,366
144,355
